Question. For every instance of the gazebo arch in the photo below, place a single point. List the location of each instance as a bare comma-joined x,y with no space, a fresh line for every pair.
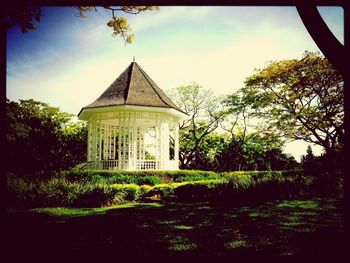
133,125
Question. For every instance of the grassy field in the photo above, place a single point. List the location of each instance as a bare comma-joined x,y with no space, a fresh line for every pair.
311,227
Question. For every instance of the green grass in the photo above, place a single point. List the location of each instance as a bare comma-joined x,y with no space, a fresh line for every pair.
313,227
299,204
183,227
76,212
239,243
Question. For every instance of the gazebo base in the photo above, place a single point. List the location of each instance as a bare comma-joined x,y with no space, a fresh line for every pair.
138,165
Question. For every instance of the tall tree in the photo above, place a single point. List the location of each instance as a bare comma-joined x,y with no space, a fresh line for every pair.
205,113
40,138
308,160
303,99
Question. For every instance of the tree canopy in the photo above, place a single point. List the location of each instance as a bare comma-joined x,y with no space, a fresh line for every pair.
41,138
300,98
202,144
205,114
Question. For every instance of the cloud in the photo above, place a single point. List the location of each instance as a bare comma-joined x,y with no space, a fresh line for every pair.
152,20
224,69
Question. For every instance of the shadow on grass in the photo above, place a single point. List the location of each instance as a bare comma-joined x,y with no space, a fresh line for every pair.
288,227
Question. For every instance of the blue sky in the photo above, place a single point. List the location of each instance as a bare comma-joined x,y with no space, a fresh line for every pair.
68,61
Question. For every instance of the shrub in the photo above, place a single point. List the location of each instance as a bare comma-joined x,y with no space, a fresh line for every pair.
239,180
19,190
234,188
198,190
193,175
126,192
163,190
150,177
57,192
148,180
111,177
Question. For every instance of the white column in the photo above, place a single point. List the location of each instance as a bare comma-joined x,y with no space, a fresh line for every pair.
158,144
100,139
130,135
114,135
143,144
176,146
104,137
119,144
134,141
109,141
124,143
139,130
165,145
94,138
89,124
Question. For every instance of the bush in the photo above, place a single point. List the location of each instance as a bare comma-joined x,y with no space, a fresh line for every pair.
111,177
140,177
126,192
57,192
198,190
193,175
102,189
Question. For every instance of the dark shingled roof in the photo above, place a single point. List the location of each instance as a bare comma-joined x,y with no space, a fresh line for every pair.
133,87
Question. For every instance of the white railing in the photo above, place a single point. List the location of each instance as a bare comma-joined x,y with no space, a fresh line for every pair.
109,165
147,165
114,165
103,165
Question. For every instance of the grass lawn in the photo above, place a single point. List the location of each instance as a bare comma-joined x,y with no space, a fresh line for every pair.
313,227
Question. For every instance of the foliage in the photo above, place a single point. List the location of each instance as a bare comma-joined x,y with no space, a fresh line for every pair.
24,16
57,192
252,151
120,25
126,192
125,179
201,148
41,139
301,99
205,114
73,143
151,177
234,188
308,161
212,145
328,170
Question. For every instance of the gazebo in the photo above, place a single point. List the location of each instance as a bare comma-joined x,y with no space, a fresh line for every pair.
133,125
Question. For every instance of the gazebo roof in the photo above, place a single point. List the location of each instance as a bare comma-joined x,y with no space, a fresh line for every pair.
133,87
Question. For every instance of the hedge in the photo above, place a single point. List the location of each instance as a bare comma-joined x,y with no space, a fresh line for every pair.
150,177
231,188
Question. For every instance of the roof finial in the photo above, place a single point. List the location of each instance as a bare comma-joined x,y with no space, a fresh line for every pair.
134,59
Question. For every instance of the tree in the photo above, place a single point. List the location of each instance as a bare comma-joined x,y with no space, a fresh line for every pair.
257,151
40,138
205,113
73,144
25,18
302,99
308,160
212,145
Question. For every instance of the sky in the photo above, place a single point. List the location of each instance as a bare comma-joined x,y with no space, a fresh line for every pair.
69,61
